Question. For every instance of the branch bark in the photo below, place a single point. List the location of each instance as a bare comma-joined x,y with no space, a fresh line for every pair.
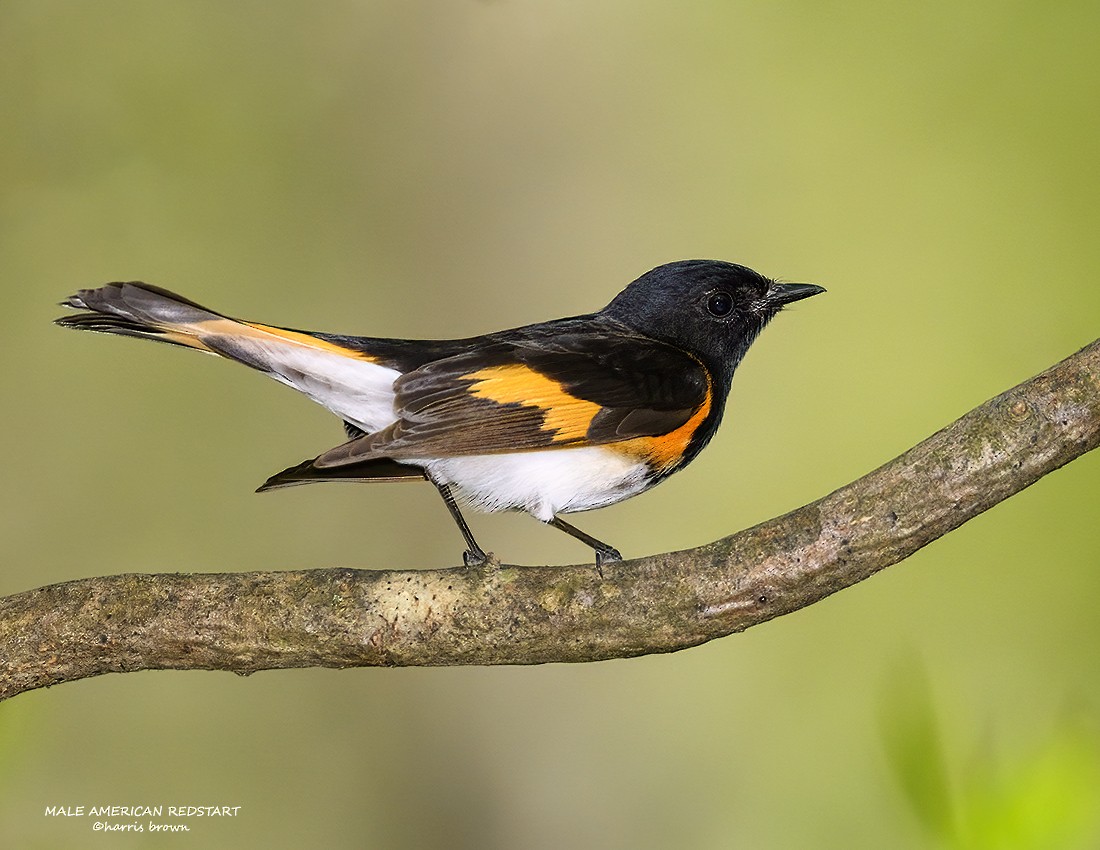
245,622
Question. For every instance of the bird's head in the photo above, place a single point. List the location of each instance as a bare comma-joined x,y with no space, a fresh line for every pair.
710,308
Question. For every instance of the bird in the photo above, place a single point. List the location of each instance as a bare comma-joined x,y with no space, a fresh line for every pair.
550,418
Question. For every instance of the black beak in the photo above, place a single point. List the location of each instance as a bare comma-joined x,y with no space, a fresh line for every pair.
779,294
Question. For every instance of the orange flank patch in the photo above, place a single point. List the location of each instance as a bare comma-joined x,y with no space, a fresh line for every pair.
666,450
567,416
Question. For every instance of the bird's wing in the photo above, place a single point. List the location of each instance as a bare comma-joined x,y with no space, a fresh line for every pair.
594,387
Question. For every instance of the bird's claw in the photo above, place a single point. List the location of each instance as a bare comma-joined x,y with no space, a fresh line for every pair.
475,558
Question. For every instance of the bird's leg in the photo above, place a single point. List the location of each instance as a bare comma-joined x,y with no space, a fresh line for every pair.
474,555
604,554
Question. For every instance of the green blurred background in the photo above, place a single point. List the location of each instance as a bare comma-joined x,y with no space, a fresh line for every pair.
430,169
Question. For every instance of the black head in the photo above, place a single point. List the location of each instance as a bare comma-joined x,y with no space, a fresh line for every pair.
709,308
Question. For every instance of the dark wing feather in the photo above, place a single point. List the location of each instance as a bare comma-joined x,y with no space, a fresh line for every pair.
380,469
596,385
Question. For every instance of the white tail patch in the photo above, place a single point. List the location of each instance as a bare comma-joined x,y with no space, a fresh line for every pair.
345,381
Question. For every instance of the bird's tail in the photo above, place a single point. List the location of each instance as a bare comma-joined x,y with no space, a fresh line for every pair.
345,378
378,469
142,310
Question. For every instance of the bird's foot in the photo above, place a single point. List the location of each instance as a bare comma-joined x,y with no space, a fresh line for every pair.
606,555
480,560
475,557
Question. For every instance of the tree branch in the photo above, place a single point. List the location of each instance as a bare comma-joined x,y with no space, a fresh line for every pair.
530,615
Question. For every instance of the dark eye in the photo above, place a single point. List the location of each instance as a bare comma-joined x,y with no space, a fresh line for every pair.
720,304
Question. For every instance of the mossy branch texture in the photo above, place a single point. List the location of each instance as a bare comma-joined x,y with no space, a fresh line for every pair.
502,614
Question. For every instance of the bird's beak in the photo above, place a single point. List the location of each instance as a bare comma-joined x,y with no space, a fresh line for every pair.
779,294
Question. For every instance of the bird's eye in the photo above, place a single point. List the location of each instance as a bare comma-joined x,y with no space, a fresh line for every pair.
720,304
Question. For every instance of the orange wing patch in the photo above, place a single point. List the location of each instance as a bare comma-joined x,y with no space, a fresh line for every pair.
566,415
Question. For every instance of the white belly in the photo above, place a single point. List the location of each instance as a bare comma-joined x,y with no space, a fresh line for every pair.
543,483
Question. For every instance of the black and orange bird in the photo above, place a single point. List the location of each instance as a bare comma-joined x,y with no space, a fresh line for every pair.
550,418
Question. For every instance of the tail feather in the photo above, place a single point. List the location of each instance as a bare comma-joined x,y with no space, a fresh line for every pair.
380,469
139,310
141,302
346,379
